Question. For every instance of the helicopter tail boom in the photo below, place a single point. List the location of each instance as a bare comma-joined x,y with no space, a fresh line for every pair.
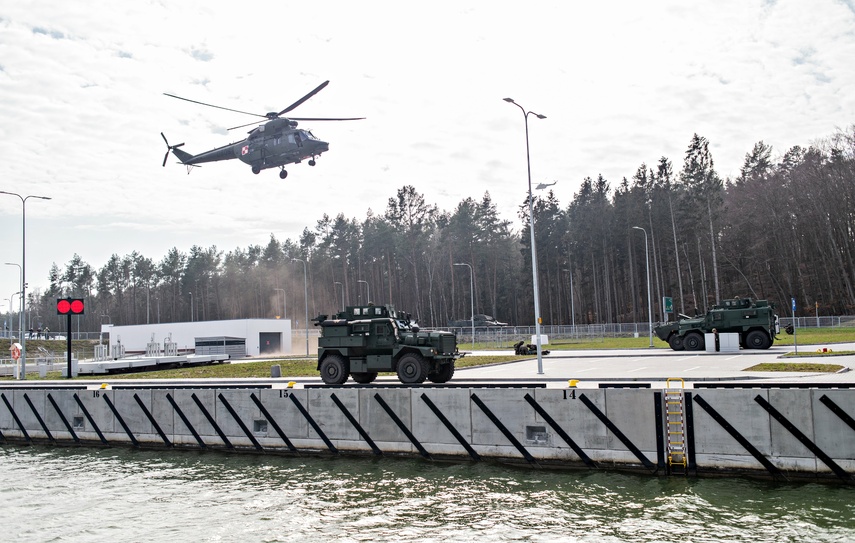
183,156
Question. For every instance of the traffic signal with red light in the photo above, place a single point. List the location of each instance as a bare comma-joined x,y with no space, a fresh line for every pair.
69,306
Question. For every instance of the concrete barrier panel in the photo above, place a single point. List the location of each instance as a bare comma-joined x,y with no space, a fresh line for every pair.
831,433
633,412
7,422
283,410
329,417
25,413
101,414
184,399
162,411
454,404
714,446
573,416
132,414
247,412
510,408
377,423
67,406
795,406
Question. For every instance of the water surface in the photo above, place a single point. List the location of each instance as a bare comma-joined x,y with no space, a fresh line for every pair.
71,494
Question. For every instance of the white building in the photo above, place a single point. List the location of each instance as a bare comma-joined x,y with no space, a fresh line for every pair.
260,336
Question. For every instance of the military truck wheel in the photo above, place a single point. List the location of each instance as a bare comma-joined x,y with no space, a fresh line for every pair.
443,375
412,369
676,342
364,377
334,370
693,341
757,340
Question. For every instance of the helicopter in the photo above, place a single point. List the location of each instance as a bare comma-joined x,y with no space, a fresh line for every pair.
273,144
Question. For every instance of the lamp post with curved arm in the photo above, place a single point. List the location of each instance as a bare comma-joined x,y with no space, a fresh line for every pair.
367,288
649,301
284,306
306,295
23,373
531,228
342,292
471,299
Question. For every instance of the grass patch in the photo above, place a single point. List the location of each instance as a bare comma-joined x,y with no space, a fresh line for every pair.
814,354
290,368
796,367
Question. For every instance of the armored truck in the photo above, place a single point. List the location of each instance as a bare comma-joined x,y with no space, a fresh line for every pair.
754,321
362,341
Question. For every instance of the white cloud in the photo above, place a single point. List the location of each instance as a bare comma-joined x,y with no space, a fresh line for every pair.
621,83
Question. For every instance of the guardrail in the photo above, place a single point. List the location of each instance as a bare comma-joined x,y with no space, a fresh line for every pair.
35,364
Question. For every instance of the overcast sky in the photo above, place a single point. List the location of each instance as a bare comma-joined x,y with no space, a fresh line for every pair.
621,82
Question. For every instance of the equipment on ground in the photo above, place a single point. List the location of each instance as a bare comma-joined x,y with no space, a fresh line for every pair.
522,348
273,144
364,340
754,321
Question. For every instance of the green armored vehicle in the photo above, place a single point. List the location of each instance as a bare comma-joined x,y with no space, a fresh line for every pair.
364,340
754,321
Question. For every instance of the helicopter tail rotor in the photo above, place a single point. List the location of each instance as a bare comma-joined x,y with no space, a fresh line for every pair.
168,148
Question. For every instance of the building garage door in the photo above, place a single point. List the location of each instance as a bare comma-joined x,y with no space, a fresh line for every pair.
270,342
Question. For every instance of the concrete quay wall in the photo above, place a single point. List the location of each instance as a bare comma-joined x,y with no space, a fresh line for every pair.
781,433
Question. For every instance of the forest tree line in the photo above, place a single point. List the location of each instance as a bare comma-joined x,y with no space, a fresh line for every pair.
785,227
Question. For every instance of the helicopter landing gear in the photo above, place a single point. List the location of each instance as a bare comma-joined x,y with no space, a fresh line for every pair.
312,162
283,174
256,170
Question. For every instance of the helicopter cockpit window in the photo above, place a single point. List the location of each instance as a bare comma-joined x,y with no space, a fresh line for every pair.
308,135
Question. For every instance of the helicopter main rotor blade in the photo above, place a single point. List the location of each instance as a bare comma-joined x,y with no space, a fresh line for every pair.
218,107
326,118
303,99
245,125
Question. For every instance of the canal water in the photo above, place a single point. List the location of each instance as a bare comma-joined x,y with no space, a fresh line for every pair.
110,495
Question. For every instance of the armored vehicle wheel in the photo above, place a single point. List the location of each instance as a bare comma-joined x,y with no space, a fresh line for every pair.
676,342
693,341
757,340
364,377
443,375
334,370
412,369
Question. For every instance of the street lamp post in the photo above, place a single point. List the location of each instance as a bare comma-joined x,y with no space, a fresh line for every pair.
192,317
284,306
20,311
306,296
572,302
649,301
101,332
531,228
471,299
23,374
342,293
367,289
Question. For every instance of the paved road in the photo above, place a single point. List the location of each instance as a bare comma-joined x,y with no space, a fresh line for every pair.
657,365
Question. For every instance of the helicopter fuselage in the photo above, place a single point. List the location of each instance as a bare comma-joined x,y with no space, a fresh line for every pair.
273,144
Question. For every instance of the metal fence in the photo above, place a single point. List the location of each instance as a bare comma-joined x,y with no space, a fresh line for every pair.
502,337
506,336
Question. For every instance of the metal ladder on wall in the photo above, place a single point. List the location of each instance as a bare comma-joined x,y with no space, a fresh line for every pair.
674,410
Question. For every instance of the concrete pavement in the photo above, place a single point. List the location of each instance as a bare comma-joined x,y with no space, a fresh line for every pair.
592,367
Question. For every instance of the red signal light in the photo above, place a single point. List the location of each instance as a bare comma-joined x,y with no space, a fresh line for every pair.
70,306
